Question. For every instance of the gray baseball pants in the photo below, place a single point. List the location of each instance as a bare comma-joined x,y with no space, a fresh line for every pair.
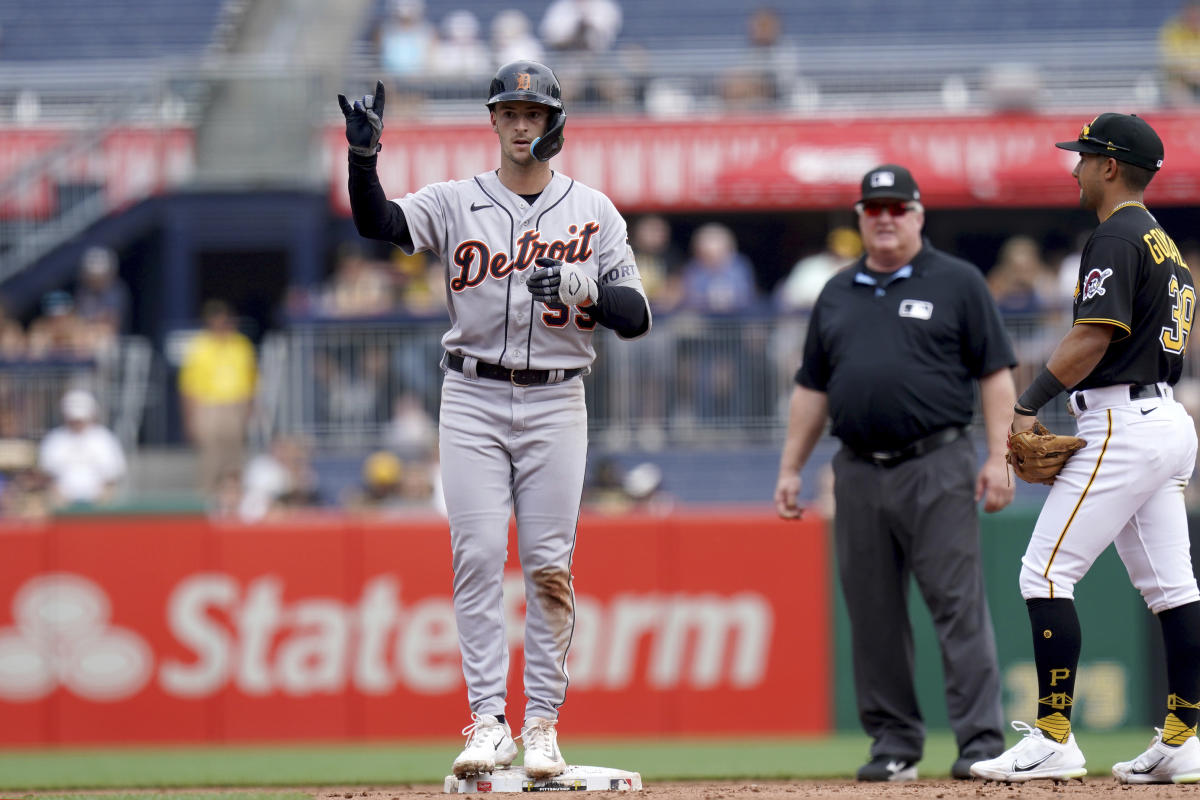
917,519
507,449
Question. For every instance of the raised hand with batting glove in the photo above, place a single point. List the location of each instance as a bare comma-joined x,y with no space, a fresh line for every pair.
556,282
364,121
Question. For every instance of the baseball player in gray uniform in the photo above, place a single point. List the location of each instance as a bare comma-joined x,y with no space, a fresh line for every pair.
534,261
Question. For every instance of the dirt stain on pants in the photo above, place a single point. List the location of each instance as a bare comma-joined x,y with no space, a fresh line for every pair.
558,604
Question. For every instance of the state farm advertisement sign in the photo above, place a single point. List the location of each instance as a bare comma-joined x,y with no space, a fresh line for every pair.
178,629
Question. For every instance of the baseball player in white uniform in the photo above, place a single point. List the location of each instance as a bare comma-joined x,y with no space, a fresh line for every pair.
534,261
1134,306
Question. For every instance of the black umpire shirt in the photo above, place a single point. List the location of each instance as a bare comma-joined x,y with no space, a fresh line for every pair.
897,354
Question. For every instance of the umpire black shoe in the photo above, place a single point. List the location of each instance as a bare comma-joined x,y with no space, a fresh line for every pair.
888,768
961,769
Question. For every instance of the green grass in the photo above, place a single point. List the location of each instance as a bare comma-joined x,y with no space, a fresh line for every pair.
406,763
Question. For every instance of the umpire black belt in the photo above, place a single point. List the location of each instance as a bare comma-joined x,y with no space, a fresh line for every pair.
517,377
926,444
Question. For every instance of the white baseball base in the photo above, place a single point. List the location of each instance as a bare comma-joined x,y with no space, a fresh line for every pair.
513,779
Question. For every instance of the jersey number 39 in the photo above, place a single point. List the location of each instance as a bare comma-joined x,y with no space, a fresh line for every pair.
1174,336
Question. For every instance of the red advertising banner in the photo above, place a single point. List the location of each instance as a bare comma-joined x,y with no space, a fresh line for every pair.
163,629
129,163
720,163
729,163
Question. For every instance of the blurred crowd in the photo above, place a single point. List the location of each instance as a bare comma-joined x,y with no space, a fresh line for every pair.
694,272
362,285
79,324
378,391
451,59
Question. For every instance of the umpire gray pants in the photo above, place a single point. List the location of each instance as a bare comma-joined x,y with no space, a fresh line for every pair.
919,519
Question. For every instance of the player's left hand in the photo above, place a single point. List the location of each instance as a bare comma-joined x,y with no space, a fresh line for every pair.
1022,422
787,496
993,485
364,121
577,287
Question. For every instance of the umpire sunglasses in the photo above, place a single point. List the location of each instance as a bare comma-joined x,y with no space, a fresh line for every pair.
896,208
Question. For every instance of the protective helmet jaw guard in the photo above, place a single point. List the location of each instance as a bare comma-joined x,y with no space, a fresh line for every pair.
532,82
548,145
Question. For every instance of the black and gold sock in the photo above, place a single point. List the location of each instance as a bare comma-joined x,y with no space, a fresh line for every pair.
1181,640
1056,644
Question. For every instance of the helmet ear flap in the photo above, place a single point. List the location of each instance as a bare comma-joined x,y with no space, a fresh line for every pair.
548,145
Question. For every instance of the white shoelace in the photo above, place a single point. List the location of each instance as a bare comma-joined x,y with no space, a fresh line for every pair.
477,724
1030,733
1023,727
537,736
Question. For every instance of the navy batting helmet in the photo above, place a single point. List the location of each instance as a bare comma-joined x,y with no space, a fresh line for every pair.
532,82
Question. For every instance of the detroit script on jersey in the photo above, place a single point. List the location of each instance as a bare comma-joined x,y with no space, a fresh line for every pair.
487,239
1132,276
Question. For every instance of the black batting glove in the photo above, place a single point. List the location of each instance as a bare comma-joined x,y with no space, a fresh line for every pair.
364,121
544,281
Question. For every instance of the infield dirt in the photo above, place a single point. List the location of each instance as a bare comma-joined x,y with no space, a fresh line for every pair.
795,790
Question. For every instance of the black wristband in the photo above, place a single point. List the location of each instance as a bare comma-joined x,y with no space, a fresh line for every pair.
1043,389
365,162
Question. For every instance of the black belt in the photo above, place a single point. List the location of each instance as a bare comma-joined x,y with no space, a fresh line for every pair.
927,444
518,377
1136,392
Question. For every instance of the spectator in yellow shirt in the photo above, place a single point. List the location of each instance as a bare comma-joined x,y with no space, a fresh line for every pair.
217,381
1179,46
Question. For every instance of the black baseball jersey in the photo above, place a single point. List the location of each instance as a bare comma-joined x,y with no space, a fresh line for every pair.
898,354
1131,276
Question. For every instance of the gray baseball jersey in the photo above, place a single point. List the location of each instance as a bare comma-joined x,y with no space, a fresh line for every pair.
505,447
488,238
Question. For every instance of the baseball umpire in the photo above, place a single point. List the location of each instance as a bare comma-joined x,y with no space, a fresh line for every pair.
895,347
533,262
1134,305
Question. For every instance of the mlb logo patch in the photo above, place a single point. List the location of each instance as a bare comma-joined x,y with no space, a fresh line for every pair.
883,178
916,309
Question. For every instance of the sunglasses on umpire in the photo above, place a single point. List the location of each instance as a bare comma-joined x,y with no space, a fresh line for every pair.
896,208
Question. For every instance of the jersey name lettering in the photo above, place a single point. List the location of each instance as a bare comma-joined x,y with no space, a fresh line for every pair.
475,261
1162,247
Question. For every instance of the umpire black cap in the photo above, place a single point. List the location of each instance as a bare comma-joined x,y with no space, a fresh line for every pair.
890,181
525,80
1125,137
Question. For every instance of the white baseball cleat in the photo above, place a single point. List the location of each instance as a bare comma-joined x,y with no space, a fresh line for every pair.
1035,757
543,759
1162,763
489,745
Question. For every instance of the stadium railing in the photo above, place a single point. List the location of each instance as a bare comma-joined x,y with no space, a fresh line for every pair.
31,390
694,381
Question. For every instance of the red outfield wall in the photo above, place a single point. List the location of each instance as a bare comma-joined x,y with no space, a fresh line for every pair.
179,629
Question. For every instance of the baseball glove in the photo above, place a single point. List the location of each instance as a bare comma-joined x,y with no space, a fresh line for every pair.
1037,455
